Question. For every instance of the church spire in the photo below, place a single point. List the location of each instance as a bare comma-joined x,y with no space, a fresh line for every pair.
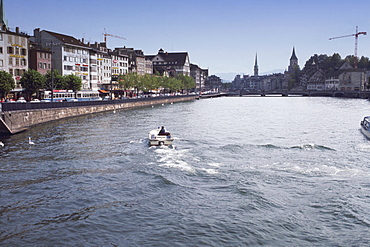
3,21
256,67
293,55
293,62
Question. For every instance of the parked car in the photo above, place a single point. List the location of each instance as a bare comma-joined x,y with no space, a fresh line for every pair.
21,100
35,100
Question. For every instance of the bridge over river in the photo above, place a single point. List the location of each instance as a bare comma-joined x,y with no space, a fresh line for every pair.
323,93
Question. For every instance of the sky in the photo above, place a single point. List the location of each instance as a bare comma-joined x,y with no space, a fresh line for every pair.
223,36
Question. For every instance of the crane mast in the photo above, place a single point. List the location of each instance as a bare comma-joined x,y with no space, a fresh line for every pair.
356,42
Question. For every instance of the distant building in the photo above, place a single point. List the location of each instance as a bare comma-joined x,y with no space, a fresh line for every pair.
214,83
136,59
199,75
346,78
170,63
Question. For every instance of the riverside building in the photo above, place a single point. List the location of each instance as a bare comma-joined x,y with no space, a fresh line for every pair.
69,55
14,53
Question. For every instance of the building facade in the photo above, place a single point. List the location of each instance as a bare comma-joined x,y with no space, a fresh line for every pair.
39,58
170,63
69,55
199,75
14,53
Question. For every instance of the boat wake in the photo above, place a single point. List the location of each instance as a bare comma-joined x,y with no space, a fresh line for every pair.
312,146
172,158
309,146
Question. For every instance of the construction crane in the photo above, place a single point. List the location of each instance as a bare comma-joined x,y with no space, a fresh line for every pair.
105,34
356,42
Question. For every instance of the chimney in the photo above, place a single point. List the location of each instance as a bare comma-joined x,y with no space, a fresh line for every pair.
17,29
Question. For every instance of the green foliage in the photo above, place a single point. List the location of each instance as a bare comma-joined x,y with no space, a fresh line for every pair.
149,82
331,63
54,80
7,83
186,81
73,82
32,81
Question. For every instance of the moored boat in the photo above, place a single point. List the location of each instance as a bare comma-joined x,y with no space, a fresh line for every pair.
365,126
160,137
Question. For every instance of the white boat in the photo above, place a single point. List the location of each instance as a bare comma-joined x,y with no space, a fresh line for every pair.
365,126
159,137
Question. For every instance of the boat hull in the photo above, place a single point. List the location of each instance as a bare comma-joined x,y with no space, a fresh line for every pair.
160,142
365,132
155,139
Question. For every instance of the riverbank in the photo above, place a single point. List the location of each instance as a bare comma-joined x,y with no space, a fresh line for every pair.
18,117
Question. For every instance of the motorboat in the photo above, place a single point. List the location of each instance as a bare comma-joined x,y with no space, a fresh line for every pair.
160,137
365,126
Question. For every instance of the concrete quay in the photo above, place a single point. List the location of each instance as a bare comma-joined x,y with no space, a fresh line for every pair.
18,117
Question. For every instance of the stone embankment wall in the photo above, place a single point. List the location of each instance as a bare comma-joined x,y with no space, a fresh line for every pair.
12,122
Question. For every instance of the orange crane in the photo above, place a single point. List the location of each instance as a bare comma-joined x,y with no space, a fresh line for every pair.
105,34
356,42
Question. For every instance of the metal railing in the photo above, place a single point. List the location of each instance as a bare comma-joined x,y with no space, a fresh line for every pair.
17,106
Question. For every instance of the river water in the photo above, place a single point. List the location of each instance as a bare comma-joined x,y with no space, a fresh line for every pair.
243,171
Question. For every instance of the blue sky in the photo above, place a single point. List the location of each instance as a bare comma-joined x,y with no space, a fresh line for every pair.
221,35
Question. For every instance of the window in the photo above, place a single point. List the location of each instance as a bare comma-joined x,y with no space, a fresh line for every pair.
10,50
1,63
65,58
11,71
40,65
1,37
48,65
44,66
17,62
10,61
23,62
10,40
1,50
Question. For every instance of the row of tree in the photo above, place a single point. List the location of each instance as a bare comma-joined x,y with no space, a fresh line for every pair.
32,82
332,63
148,82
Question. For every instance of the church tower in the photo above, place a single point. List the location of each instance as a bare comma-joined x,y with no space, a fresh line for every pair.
256,67
293,62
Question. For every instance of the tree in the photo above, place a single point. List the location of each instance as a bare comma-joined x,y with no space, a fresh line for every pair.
73,82
32,81
58,81
186,81
7,83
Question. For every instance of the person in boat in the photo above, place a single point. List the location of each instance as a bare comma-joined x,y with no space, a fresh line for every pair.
163,132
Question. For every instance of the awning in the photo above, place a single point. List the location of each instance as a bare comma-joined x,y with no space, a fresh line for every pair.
103,91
